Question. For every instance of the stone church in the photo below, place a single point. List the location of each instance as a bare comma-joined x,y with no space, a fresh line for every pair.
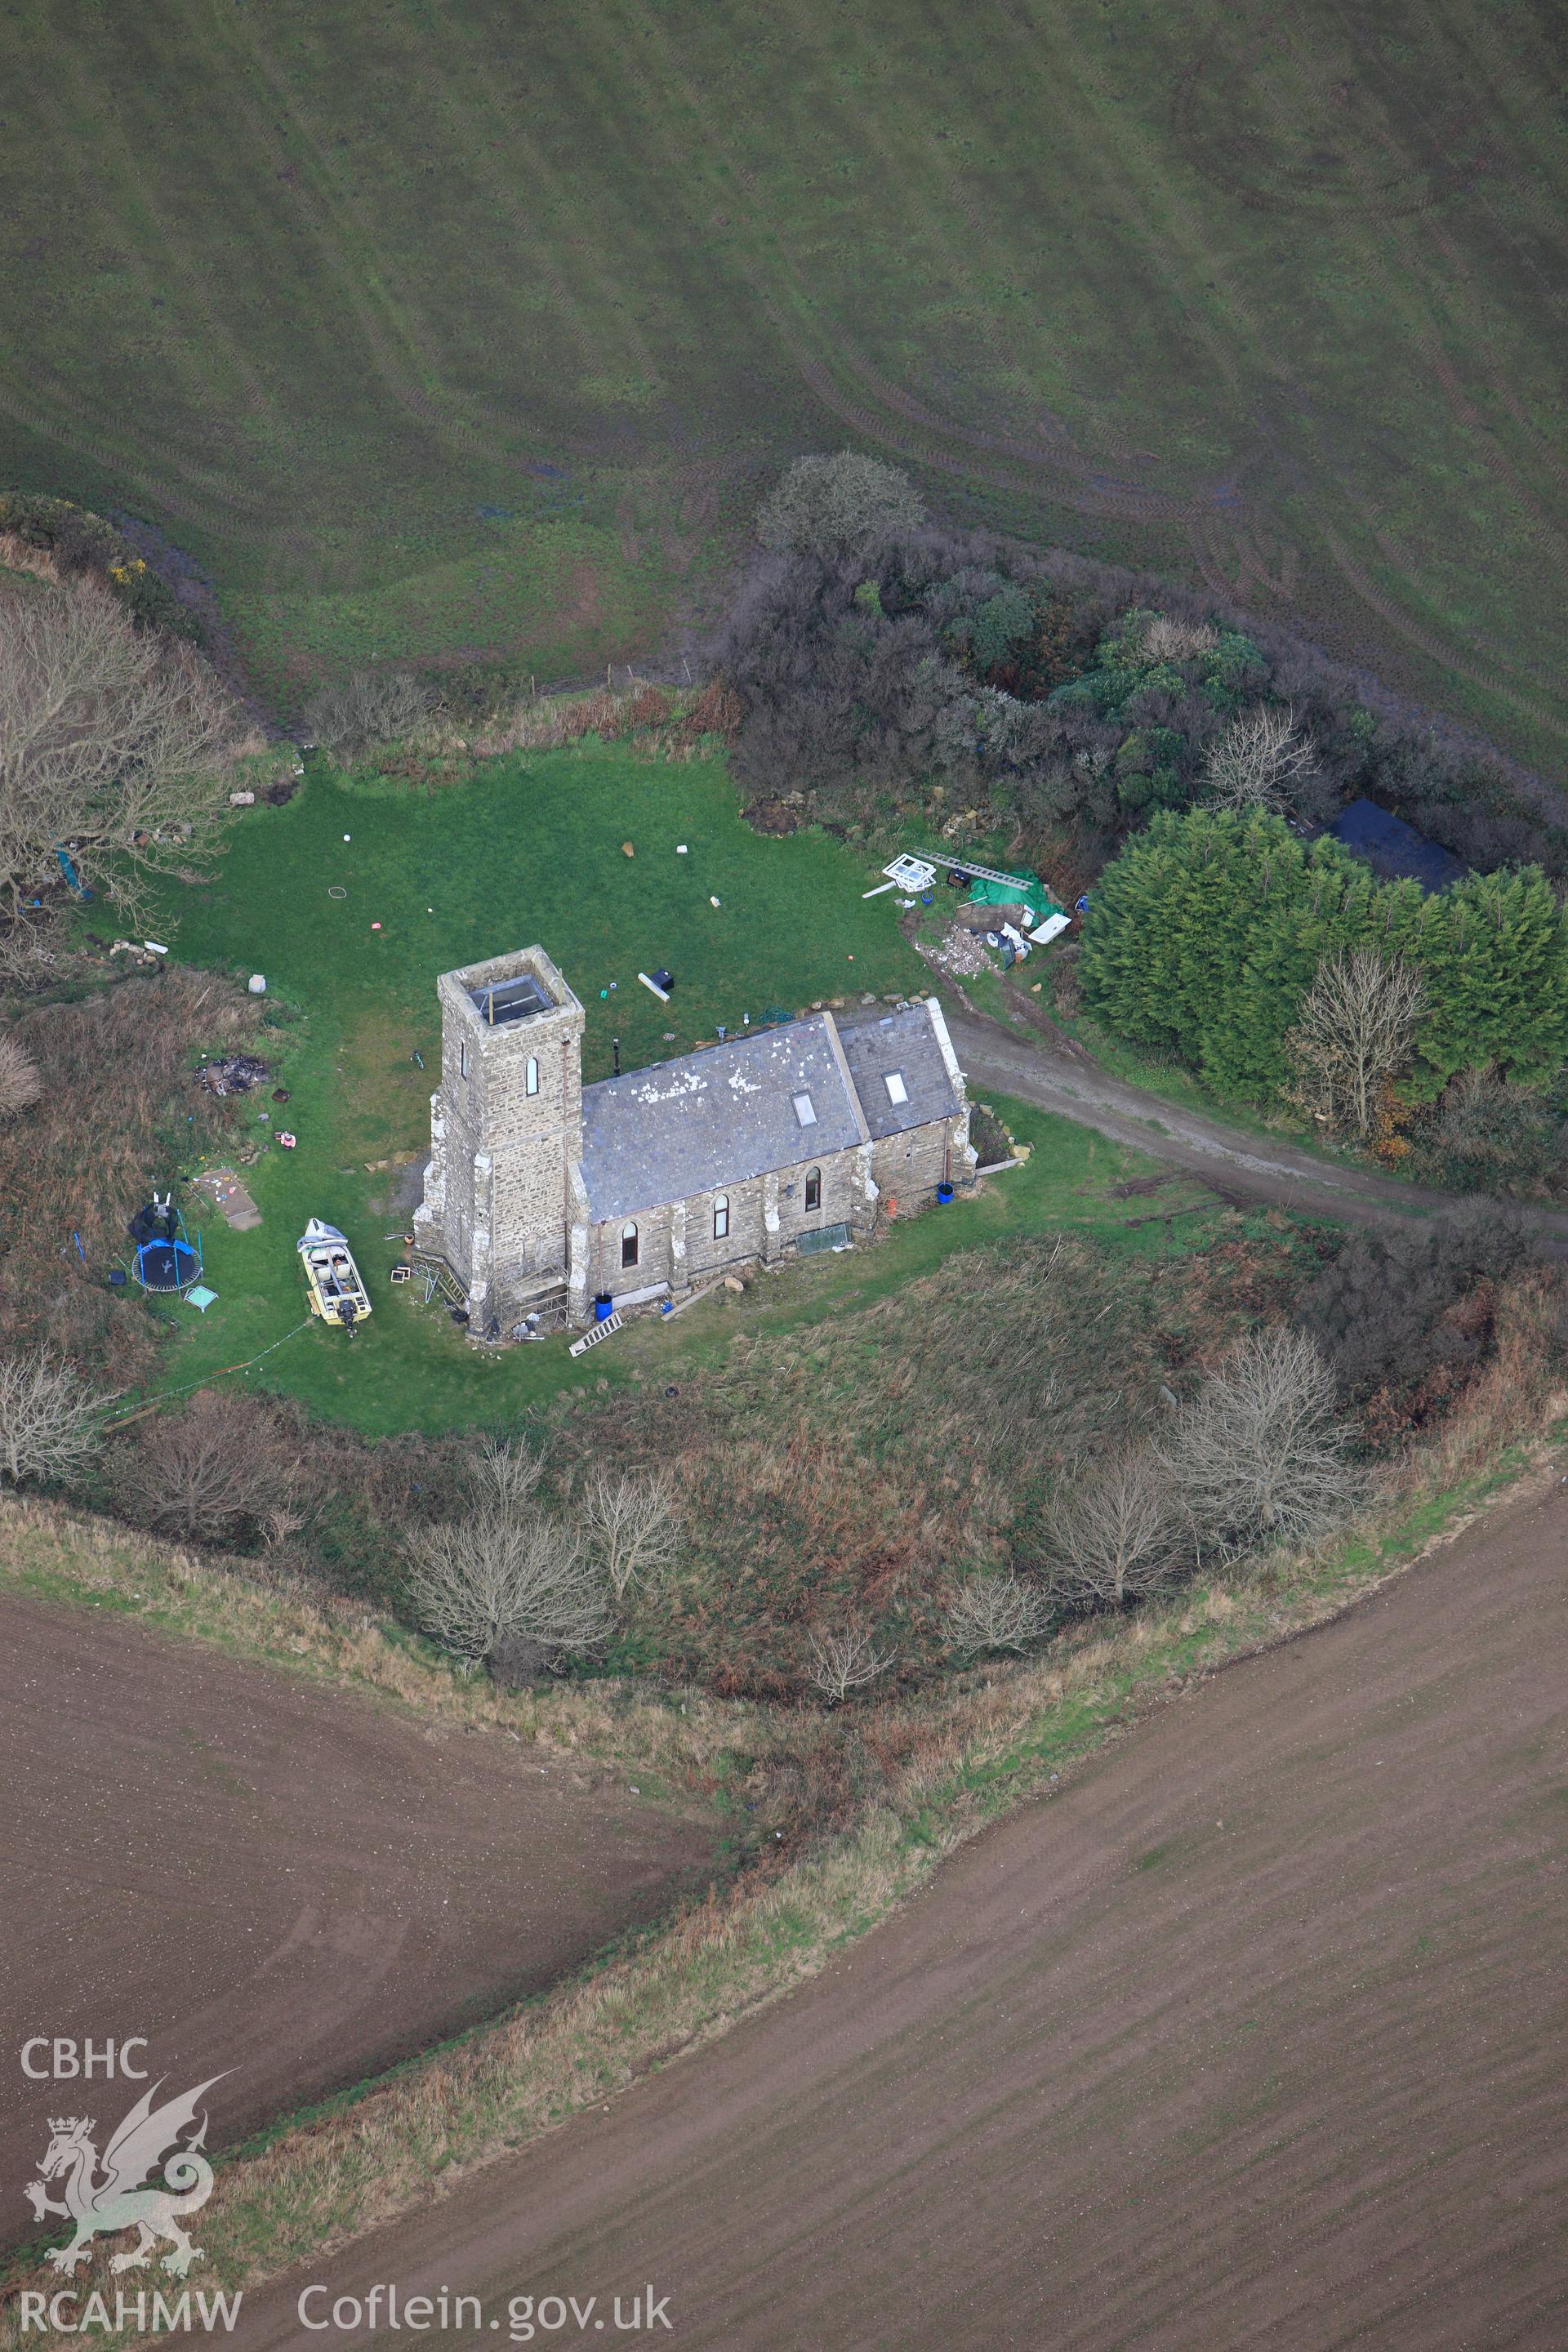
543,1192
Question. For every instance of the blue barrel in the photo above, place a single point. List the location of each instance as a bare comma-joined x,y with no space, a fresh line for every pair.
944,1193
603,1308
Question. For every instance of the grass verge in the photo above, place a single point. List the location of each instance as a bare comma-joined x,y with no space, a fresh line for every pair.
684,1740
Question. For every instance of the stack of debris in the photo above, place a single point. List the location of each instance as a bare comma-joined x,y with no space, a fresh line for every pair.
961,954
236,1074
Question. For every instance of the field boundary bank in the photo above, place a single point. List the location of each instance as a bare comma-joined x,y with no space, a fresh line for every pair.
313,2183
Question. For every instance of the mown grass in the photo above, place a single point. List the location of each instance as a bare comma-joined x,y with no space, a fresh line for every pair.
427,343
533,850
949,1768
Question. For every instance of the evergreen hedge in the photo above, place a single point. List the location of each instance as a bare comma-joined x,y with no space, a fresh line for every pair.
1203,935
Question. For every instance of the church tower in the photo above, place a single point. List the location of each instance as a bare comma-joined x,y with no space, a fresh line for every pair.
505,1135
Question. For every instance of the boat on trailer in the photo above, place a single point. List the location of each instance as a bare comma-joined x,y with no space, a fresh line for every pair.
337,1293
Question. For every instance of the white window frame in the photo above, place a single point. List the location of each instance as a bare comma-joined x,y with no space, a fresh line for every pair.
462,1058
629,1234
896,1090
813,1177
530,1075
722,1216
806,1110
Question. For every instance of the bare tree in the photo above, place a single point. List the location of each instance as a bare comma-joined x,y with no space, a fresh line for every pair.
221,1472
112,741
502,1575
507,1474
1169,639
1120,1537
1257,759
838,506
995,1613
19,1081
843,1662
1354,1035
1259,1456
371,706
632,1527
51,1421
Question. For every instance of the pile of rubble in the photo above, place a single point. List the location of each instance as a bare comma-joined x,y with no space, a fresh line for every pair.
236,1074
961,954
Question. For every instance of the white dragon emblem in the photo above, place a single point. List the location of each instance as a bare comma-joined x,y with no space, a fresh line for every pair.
123,2199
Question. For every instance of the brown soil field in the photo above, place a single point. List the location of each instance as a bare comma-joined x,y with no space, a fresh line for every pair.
1251,2035
289,1885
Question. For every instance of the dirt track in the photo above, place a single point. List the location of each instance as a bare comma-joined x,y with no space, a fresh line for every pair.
1252,2036
264,1876
1056,1074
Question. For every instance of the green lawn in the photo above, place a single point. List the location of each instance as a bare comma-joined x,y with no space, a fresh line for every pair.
530,851
432,340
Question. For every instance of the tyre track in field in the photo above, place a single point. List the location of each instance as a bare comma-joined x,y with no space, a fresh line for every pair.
1373,209
1247,2034
328,213
289,1883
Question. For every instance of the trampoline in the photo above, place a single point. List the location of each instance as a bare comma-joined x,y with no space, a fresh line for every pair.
168,1261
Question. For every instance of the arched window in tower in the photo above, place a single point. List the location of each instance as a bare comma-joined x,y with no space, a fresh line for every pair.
628,1245
812,1189
720,1216
463,1059
530,1076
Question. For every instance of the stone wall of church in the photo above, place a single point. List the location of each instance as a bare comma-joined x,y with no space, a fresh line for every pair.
682,1244
908,1168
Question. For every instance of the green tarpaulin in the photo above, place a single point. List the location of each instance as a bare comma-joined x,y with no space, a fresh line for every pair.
1022,889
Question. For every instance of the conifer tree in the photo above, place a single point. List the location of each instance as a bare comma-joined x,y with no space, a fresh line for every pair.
1205,934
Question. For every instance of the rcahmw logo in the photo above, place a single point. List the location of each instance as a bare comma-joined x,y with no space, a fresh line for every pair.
101,2195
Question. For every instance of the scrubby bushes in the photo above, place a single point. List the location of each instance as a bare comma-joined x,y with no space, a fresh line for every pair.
1406,1316
118,1106
369,708
508,1583
1485,1134
1062,701
20,1084
951,1472
71,542
1261,1455
227,1469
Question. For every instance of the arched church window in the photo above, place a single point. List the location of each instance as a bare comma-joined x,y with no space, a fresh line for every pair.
812,1189
530,1076
628,1245
722,1216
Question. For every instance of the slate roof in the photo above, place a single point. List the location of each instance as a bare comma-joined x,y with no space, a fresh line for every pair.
905,1041
705,1121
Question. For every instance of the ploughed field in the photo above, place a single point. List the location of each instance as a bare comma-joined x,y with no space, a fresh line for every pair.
288,1885
1251,2035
